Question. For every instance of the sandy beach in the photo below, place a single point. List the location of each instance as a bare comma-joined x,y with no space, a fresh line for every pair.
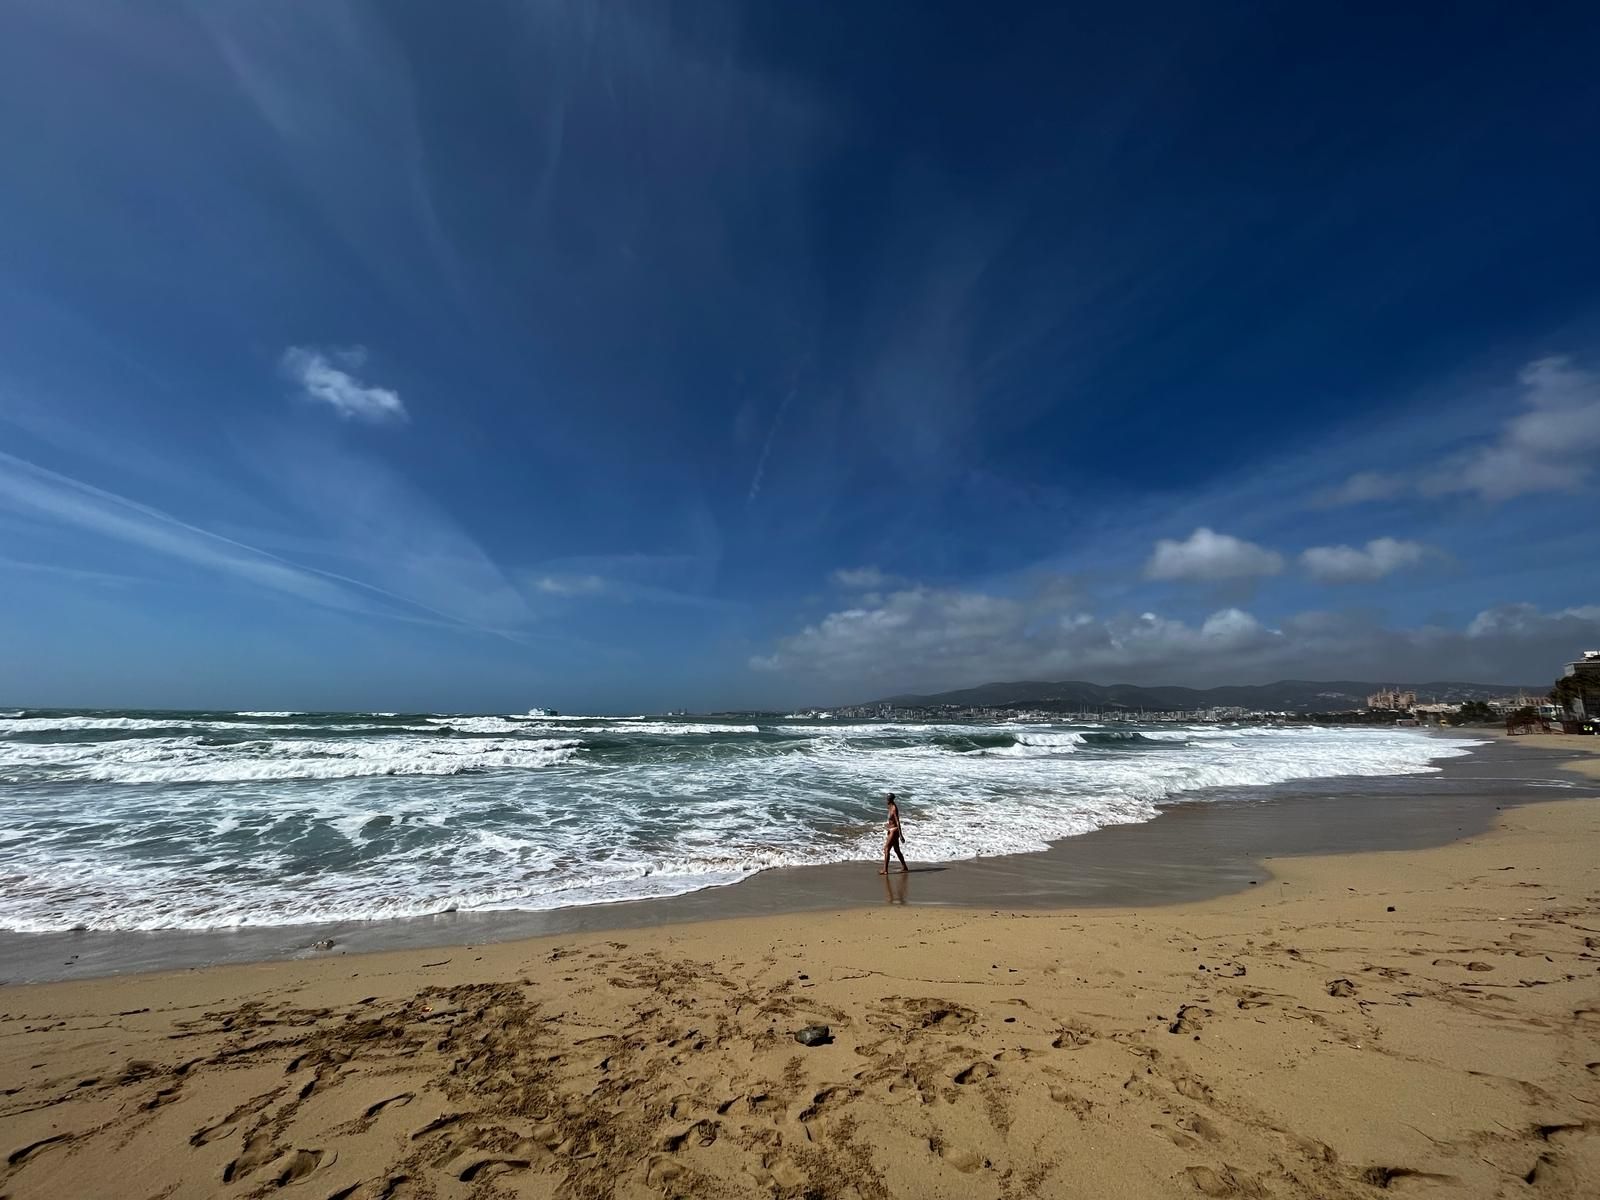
1420,1021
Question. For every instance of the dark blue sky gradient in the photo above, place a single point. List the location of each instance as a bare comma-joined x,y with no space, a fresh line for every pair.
691,307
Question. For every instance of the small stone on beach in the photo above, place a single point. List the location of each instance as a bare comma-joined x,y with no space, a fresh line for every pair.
813,1035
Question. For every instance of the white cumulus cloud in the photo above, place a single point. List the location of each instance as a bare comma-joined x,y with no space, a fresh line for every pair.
934,635
326,377
1207,556
1549,448
1552,446
930,639
1529,621
1351,564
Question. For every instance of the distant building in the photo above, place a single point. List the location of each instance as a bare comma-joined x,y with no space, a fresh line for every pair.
1436,710
1505,705
1392,699
1585,673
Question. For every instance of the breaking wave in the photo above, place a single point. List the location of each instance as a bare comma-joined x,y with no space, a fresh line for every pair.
146,820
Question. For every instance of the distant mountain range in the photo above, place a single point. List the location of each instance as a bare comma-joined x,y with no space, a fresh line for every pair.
1287,695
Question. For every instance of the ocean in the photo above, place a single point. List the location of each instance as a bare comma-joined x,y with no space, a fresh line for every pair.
203,820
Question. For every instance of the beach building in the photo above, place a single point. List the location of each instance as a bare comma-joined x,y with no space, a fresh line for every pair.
1435,713
1585,673
1392,700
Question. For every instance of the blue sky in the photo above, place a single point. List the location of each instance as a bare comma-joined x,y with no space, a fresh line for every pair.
620,357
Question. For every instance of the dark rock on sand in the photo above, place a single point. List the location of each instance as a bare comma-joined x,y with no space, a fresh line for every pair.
813,1035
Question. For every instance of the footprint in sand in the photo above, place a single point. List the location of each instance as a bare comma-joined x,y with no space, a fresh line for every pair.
702,1133
962,1158
976,1073
438,1123
17,1157
1226,1182
258,1149
301,1163
1077,1105
374,1109
1183,1141
1567,1131
1384,1177
1188,1019
662,1171
825,1100
1193,1087
490,1166
212,1133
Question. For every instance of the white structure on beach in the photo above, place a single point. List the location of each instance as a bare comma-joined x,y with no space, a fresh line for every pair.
1585,672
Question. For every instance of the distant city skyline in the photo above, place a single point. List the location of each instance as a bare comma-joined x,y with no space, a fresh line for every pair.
636,358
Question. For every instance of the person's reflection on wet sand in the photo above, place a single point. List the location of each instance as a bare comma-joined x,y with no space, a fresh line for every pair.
895,886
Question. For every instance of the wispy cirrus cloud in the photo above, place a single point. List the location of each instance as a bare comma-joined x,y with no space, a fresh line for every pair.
40,492
670,580
361,518
1362,487
328,377
569,585
1206,556
863,579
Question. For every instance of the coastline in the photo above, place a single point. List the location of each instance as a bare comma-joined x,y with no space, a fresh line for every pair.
1408,1019
1202,845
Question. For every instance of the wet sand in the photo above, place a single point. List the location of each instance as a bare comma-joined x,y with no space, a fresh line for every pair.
1423,1021
1206,845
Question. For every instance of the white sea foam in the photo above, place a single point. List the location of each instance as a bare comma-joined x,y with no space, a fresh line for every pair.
196,760
71,724
177,721
479,724
636,726
150,829
1052,741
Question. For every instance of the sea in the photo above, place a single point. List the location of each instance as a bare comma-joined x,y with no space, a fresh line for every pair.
140,820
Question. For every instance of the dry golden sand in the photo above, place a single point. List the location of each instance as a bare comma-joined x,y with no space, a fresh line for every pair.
1298,1040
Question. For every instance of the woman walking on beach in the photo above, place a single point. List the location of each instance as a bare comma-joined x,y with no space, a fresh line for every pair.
891,837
